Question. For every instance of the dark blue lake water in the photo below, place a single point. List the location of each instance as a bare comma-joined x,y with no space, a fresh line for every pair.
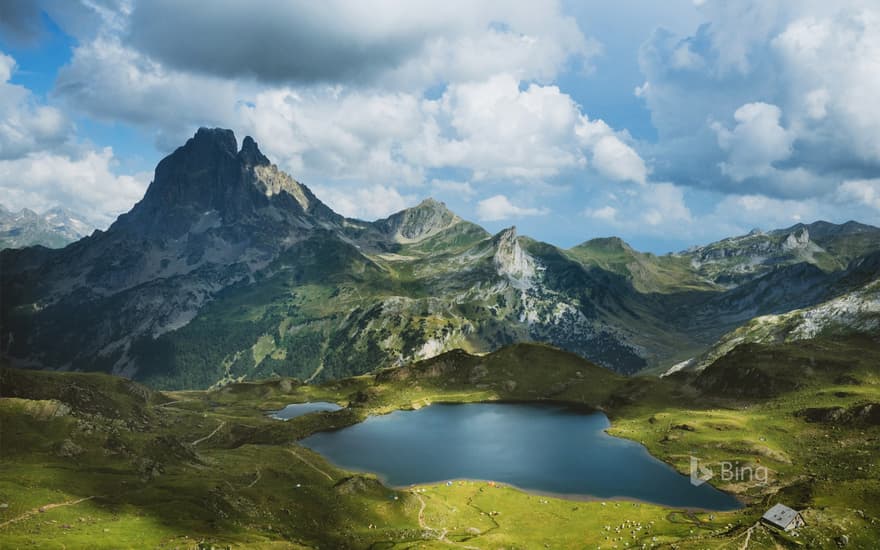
299,409
543,448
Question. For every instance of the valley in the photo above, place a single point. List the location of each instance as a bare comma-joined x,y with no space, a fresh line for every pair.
210,467
140,365
401,275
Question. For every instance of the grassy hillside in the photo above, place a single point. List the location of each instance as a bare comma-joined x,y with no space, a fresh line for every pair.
648,273
95,461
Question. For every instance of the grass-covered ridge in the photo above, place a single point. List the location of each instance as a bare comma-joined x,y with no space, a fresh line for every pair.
116,465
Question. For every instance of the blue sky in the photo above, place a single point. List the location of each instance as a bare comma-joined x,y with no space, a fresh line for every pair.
667,123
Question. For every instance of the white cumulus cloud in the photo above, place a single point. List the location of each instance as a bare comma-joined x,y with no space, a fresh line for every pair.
865,192
26,125
755,143
617,160
366,203
784,104
607,214
499,207
86,184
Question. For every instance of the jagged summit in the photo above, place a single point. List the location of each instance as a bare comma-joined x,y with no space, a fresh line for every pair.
230,268
221,138
511,261
506,234
53,228
798,239
431,205
251,154
209,174
427,218
431,202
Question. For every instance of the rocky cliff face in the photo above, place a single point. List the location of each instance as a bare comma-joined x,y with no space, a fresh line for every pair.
212,217
856,312
738,260
512,262
209,183
229,268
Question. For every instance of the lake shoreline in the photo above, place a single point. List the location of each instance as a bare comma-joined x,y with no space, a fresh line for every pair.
633,451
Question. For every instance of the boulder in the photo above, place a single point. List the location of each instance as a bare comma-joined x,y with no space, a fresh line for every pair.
68,449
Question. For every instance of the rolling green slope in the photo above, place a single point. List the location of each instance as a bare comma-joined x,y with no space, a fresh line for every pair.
95,461
648,272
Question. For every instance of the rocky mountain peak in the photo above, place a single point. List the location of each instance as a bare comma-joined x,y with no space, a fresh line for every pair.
506,235
251,154
26,214
800,238
606,244
432,203
69,222
203,175
210,182
427,218
209,138
511,261
55,228
435,210
821,229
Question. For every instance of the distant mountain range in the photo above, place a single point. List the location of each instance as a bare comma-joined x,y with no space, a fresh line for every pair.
853,312
55,228
229,268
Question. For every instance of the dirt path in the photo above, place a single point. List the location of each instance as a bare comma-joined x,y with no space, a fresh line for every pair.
688,518
324,345
441,537
309,464
732,542
422,523
316,373
44,508
210,435
256,479
745,544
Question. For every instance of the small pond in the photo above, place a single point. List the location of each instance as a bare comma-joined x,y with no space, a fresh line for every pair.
543,448
299,409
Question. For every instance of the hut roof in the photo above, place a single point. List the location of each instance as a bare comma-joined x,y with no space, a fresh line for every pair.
780,515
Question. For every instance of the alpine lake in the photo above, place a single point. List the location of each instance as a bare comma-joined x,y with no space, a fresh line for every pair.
549,449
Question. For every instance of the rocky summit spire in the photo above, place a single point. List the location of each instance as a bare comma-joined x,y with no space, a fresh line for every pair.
211,138
206,174
511,261
209,178
250,154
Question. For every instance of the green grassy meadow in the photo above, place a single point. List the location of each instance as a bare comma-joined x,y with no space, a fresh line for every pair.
94,461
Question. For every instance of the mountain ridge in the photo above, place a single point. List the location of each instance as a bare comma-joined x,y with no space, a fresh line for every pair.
229,268
54,228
